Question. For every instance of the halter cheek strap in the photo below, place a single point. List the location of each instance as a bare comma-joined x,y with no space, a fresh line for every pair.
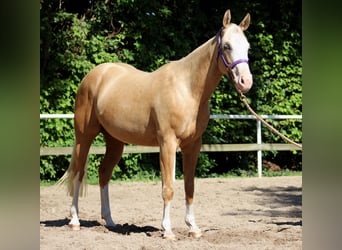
220,54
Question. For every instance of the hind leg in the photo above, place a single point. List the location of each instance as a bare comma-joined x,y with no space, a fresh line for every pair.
87,128
114,149
78,165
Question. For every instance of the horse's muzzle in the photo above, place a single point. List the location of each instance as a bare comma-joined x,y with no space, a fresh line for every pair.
244,83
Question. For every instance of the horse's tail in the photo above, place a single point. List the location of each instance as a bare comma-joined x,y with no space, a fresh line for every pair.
70,177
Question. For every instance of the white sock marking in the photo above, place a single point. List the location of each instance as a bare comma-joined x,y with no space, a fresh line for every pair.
190,219
74,206
105,207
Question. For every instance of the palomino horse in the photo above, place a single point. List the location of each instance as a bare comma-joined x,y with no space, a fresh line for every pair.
168,108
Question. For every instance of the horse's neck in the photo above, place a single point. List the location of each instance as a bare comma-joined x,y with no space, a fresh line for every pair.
205,75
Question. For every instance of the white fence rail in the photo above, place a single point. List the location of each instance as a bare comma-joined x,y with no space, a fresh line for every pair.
259,146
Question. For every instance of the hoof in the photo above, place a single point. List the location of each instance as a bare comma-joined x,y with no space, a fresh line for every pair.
74,227
195,234
109,222
169,236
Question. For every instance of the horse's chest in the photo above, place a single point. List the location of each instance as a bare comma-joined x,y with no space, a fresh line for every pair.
192,126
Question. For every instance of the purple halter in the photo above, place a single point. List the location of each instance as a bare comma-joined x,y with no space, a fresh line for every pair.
220,53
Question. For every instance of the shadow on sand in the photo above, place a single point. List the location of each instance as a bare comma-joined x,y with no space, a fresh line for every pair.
125,229
273,202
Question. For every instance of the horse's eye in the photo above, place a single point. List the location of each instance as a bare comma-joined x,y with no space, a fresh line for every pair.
226,46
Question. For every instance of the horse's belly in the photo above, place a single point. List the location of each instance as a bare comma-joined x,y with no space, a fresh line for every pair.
134,137
130,129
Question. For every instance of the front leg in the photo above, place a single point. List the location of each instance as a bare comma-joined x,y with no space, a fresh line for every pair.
190,156
167,162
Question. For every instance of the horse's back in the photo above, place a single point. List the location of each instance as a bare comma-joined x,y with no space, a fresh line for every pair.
107,77
106,70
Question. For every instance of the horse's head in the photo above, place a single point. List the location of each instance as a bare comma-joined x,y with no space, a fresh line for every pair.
233,52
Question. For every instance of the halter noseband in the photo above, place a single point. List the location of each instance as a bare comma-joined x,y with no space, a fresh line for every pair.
220,53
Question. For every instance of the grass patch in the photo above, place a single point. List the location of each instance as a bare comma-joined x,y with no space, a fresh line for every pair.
285,172
237,173
47,183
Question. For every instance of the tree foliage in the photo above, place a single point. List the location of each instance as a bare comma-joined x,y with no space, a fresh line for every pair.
77,35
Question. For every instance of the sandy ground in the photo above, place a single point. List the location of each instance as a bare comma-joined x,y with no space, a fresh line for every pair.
242,213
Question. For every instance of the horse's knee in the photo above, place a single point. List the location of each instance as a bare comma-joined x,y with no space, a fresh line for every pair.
167,193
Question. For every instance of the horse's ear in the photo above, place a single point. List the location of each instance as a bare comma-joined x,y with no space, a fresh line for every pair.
245,22
226,19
